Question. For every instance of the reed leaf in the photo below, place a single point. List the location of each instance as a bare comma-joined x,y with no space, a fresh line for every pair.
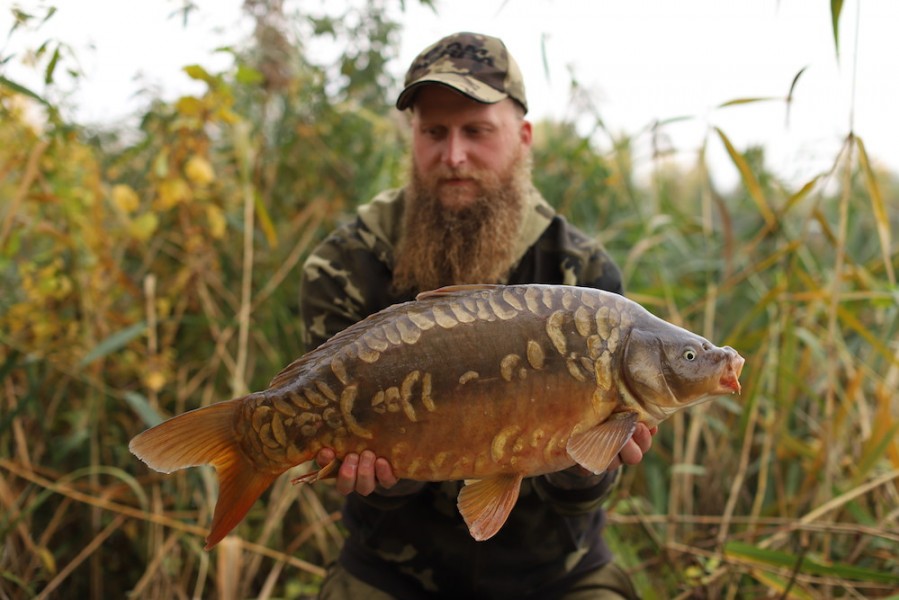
747,553
741,101
879,210
749,180
139,404
114,342
836,8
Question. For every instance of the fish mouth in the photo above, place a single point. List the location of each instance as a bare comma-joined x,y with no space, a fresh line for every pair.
730,379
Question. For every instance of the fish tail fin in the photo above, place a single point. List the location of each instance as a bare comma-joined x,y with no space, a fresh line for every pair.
205,436
240,485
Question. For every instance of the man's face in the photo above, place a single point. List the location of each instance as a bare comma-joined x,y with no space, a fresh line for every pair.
458,144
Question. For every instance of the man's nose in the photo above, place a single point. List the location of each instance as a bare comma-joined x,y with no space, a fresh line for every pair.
455,151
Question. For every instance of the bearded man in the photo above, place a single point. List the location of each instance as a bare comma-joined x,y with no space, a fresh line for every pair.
468,214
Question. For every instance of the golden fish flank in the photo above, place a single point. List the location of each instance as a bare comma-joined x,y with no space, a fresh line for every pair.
555,376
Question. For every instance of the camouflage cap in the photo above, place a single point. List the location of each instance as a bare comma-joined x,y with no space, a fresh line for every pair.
476,65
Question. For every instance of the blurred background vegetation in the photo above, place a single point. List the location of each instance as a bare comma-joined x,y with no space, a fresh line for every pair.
144,273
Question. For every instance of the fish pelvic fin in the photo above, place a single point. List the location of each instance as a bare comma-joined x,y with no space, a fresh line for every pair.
205,436
485,504
595,448
329,471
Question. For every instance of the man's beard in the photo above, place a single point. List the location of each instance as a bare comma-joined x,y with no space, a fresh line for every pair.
473,244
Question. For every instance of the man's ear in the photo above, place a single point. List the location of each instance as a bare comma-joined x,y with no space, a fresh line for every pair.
526,133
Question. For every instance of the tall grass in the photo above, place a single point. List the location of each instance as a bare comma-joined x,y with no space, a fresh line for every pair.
146,278
793,486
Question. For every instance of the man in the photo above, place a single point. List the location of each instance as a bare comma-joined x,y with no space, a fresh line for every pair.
469,214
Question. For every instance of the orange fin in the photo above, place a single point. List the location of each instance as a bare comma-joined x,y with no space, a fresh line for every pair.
240,485
595,448
450,290
485,504
206,437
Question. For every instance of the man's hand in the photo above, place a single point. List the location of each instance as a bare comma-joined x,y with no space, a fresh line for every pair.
635,448
360,473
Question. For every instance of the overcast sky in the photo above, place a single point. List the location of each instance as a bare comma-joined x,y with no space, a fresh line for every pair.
643,60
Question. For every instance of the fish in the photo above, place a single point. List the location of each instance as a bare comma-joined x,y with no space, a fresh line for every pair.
486,384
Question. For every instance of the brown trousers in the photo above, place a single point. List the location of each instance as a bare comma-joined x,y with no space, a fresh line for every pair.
607,583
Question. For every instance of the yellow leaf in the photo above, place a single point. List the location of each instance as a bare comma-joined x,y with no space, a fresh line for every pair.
265,222
878,208
154,380
172,192
163,307
189,106
48,559
217,223
199,171
749,180
143,227
125,198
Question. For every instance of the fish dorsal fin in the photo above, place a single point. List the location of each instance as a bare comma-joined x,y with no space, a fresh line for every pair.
595,448
450,290
485,504
289,373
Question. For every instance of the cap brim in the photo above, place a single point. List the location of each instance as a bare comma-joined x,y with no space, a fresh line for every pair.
464,84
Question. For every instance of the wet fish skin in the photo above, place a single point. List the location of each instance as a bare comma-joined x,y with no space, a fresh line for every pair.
491,383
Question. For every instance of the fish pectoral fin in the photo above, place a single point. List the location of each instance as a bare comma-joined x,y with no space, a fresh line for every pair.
595,448
485,504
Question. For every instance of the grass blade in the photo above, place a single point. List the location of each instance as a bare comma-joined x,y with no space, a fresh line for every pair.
836,7
142,408
116,341
806,564
879,209
750,180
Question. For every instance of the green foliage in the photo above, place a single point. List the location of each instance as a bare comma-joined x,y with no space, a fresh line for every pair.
147,275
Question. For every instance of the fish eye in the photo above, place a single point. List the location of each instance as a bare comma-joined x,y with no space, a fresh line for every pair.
690,354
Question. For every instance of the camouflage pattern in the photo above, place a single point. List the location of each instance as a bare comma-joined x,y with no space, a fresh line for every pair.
476,65
348,276
609,582
417,544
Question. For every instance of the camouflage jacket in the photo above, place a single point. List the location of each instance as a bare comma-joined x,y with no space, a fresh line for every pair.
417,545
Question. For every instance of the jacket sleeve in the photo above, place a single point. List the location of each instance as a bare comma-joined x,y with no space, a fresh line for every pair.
344,280
571,493
588,263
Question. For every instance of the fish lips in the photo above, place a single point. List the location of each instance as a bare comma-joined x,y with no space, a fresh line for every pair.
729,382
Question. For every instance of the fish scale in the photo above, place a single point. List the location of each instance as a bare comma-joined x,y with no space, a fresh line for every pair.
482,383
374,382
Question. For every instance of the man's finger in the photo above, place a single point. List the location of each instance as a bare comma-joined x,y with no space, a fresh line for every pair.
631,454
324,456
346,477
365,474
384,473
